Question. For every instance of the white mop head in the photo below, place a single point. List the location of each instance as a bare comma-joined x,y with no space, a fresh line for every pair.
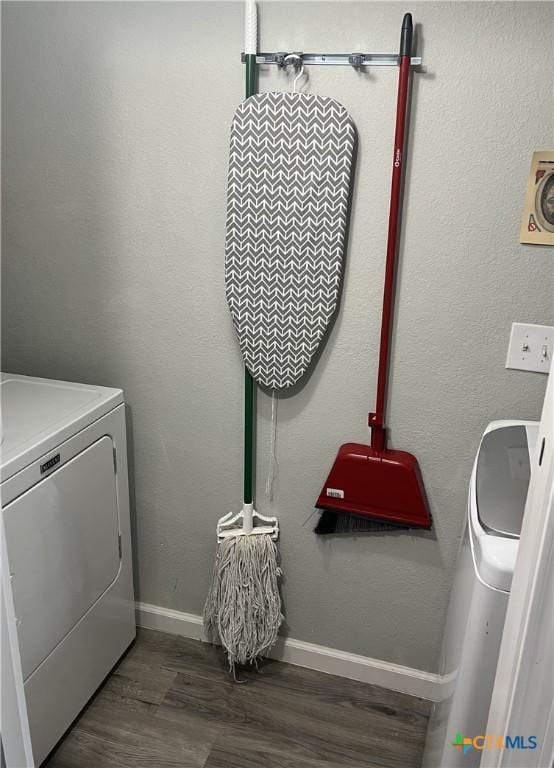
243,607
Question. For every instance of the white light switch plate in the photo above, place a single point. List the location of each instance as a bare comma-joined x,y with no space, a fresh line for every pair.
531,347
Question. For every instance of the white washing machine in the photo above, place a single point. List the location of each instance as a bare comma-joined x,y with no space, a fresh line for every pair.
479,598
67,589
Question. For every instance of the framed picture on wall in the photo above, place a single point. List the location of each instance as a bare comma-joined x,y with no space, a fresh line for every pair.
537,226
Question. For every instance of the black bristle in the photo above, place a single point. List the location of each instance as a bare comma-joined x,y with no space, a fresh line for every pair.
327,522
333,522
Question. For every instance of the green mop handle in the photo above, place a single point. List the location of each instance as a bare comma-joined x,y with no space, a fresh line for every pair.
250,29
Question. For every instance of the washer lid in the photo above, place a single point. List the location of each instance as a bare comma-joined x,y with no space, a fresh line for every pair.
39,414
497,495
503,471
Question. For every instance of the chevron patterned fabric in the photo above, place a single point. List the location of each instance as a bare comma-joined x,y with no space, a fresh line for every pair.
287,203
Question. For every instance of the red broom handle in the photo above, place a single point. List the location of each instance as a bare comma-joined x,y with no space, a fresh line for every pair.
377,420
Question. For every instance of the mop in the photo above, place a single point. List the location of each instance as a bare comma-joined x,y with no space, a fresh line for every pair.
287,204
243,608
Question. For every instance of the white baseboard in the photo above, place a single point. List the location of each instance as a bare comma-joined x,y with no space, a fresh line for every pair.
174,622
415,682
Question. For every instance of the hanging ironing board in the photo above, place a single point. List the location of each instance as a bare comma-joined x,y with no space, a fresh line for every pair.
289,178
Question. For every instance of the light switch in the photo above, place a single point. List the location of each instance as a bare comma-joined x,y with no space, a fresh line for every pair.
531,347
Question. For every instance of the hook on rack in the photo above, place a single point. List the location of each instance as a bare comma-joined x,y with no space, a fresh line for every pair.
297,61
356,59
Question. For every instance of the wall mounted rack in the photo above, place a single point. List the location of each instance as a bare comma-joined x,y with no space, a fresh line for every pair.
356,60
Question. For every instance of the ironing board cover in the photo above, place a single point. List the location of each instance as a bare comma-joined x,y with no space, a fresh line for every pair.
287,199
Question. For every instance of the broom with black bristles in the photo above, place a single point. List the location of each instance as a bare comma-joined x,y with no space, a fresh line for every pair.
373,487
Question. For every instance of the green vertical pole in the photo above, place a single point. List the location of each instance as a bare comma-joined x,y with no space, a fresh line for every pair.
250,74
248,380
248,435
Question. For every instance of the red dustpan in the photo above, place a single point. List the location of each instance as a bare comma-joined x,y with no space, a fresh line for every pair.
374,482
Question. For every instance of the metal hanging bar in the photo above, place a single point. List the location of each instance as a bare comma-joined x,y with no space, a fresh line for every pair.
336,59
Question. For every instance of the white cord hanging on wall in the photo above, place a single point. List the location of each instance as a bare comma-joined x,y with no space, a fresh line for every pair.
272,466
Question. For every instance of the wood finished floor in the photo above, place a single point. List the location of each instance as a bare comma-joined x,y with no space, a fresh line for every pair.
170,702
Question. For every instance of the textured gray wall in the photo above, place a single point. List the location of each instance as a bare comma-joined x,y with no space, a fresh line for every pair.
116,122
